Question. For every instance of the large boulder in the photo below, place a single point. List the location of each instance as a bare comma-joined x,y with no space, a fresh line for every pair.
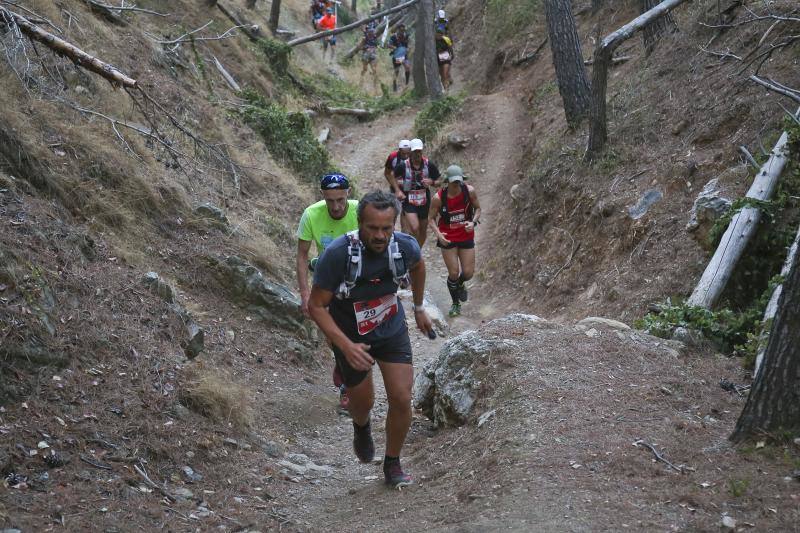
447,388
273,302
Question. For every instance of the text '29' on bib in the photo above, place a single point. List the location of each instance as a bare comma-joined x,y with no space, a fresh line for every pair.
372,313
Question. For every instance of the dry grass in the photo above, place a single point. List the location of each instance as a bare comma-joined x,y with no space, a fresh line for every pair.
213,394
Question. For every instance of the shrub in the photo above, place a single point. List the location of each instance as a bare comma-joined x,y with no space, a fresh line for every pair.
434,115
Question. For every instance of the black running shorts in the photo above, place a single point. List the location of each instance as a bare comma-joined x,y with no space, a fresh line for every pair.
420,210
464,245
393,350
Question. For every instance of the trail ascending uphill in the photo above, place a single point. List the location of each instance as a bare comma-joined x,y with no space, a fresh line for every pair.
354,498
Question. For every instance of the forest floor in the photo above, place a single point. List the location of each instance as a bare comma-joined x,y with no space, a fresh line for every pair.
570,408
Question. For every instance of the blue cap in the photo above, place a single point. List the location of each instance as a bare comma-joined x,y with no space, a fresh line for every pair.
334,181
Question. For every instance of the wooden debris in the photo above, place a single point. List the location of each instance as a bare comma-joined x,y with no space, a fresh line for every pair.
63,48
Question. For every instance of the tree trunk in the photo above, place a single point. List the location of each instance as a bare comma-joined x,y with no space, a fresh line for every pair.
653,31
354,7
596,5
774,401
602,61
565,44
418,65
274,14
772,305
435,88
741,228
251,4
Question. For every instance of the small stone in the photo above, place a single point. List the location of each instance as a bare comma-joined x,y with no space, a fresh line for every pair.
42,445
183,492
592,333
233,443
273,449
196,342
728,522
211,212
230,335
600,321
298,458
644,204
459,142
190,475
485,417
516,192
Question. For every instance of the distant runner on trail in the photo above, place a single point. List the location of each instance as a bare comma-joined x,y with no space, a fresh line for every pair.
456,210
354,302
328,22
413,179
321,223
317,12
440,22
444,55
399,46
401,154
369,54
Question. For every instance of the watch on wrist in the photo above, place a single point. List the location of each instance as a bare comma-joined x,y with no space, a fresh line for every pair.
415,307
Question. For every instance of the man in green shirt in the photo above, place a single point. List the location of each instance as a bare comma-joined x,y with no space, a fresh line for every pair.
321,223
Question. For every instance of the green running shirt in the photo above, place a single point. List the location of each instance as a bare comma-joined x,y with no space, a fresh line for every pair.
318,226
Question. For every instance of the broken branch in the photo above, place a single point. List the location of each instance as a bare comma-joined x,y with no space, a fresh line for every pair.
63,48
127,8
659,457
153,485
774,86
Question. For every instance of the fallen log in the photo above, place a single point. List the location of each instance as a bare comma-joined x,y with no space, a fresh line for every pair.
353,112
598,133
741,228
614,60
351,26
226,76
772,305
75,54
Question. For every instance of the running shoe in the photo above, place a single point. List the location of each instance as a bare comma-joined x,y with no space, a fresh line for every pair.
395,477
462,292
363,444
455,310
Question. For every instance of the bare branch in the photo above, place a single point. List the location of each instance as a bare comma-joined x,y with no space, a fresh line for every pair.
179,39
749,157
63,48
777,87
723,55
127,8
32,13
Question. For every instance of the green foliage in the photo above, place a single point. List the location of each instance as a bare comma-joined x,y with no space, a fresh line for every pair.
335,92
767,207
738,487
288,135
434,115
730,330
507,18
277,54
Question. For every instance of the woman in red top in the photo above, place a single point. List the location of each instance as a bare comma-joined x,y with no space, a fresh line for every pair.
455,211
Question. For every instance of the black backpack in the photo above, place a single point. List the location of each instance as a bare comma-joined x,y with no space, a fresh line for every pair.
443,209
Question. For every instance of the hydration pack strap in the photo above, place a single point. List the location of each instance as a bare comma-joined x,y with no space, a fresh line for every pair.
355,254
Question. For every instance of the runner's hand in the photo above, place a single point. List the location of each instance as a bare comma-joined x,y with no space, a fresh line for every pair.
442,239
427,182
469,226
423,321
358,357
304,305
400,195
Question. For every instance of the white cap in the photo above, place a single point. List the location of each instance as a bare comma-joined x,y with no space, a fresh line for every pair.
405,144
416,144
440,14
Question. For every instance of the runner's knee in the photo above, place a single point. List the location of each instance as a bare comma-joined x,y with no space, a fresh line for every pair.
399,399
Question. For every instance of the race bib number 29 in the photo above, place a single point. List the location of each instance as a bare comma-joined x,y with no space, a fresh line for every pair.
372,313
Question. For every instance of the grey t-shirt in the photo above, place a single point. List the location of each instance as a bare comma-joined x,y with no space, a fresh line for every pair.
372,312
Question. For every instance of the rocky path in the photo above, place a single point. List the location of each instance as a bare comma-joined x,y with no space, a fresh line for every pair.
351,495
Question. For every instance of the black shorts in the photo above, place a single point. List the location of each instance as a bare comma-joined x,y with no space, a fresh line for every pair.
420,210
394,350
463,245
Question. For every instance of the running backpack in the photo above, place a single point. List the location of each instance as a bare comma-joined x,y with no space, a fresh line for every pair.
408,179
397,265
468,212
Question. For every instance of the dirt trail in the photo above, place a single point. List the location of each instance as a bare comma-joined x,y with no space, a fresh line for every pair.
337,502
